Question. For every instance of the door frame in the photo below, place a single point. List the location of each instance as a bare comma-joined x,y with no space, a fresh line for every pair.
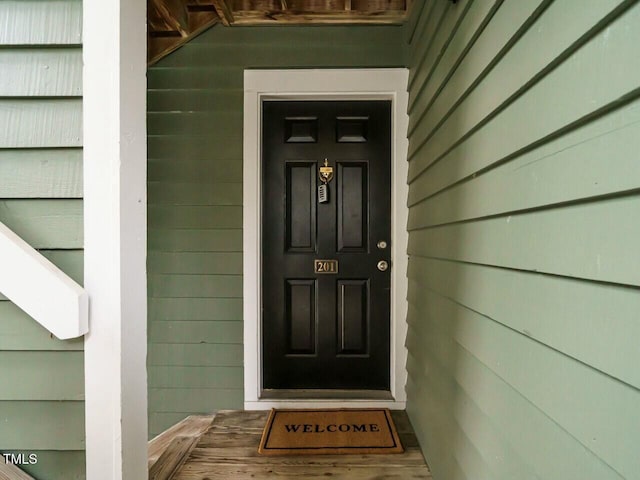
322,84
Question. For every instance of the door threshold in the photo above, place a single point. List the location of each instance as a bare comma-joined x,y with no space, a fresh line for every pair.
312,394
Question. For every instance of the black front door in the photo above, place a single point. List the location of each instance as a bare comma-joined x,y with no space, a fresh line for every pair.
325,261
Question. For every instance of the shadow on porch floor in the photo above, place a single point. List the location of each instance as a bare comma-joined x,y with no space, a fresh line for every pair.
225,446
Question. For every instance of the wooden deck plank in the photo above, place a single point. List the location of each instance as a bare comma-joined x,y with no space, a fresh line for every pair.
229,450
228,437
335,472
248,421
213,456
193,425
172,458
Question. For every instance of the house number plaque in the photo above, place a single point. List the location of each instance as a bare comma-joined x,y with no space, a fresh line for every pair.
325,266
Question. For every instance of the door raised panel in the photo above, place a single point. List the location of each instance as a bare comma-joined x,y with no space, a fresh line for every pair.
353,317
301,206
353,201
301,130
301,316
351,129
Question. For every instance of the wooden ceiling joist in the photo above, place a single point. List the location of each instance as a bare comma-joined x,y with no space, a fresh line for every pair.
171,23
224,11
290,17
168,16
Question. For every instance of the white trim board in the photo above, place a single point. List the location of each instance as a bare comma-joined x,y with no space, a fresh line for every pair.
41,289
115,231
323,84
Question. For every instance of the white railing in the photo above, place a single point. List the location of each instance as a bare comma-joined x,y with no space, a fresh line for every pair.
41,289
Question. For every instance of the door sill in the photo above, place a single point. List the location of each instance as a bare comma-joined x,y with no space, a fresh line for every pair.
325,399
302,394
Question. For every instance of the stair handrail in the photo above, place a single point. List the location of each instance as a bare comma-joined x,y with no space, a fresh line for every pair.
41,289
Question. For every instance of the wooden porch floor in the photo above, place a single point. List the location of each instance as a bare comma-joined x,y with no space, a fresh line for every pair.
227,448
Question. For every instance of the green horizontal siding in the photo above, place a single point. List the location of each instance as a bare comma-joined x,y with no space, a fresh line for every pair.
549,309
545,111
70,261
433,29
168,173
196,377
209,240
170,100
196,308
50,224
196,332
202,263
196,355
41,377
229,193
41,72
196,286
195,217
538,241
30,123
195,108
547,174
478,45
193,147
196,123
41,425
291,47
477,439
18,331
193,399
523,283
507,354
41,173
38,22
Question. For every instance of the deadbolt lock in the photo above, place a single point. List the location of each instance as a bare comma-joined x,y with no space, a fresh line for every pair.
382,244
382,265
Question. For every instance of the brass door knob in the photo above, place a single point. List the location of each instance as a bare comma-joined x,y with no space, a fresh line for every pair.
382,265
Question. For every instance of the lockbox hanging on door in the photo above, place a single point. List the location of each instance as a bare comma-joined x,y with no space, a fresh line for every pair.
325,174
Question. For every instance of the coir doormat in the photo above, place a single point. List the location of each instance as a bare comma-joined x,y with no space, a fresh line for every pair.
333,431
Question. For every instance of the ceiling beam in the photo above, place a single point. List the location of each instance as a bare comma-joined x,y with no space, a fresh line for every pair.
224,11
161,47
167,15
345,17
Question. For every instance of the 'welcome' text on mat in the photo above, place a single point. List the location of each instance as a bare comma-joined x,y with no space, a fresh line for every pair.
333,431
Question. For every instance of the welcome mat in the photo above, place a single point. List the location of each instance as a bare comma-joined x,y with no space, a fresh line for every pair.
332,431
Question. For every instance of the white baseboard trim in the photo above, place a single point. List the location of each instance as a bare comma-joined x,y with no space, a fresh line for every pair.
269,404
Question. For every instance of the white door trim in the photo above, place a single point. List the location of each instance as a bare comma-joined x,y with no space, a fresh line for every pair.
324,84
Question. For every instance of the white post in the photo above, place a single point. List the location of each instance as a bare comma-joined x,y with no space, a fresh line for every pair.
114,89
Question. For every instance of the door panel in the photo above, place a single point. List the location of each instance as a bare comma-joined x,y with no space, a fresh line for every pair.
353,317
301,207
301,314
353,203
326,329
